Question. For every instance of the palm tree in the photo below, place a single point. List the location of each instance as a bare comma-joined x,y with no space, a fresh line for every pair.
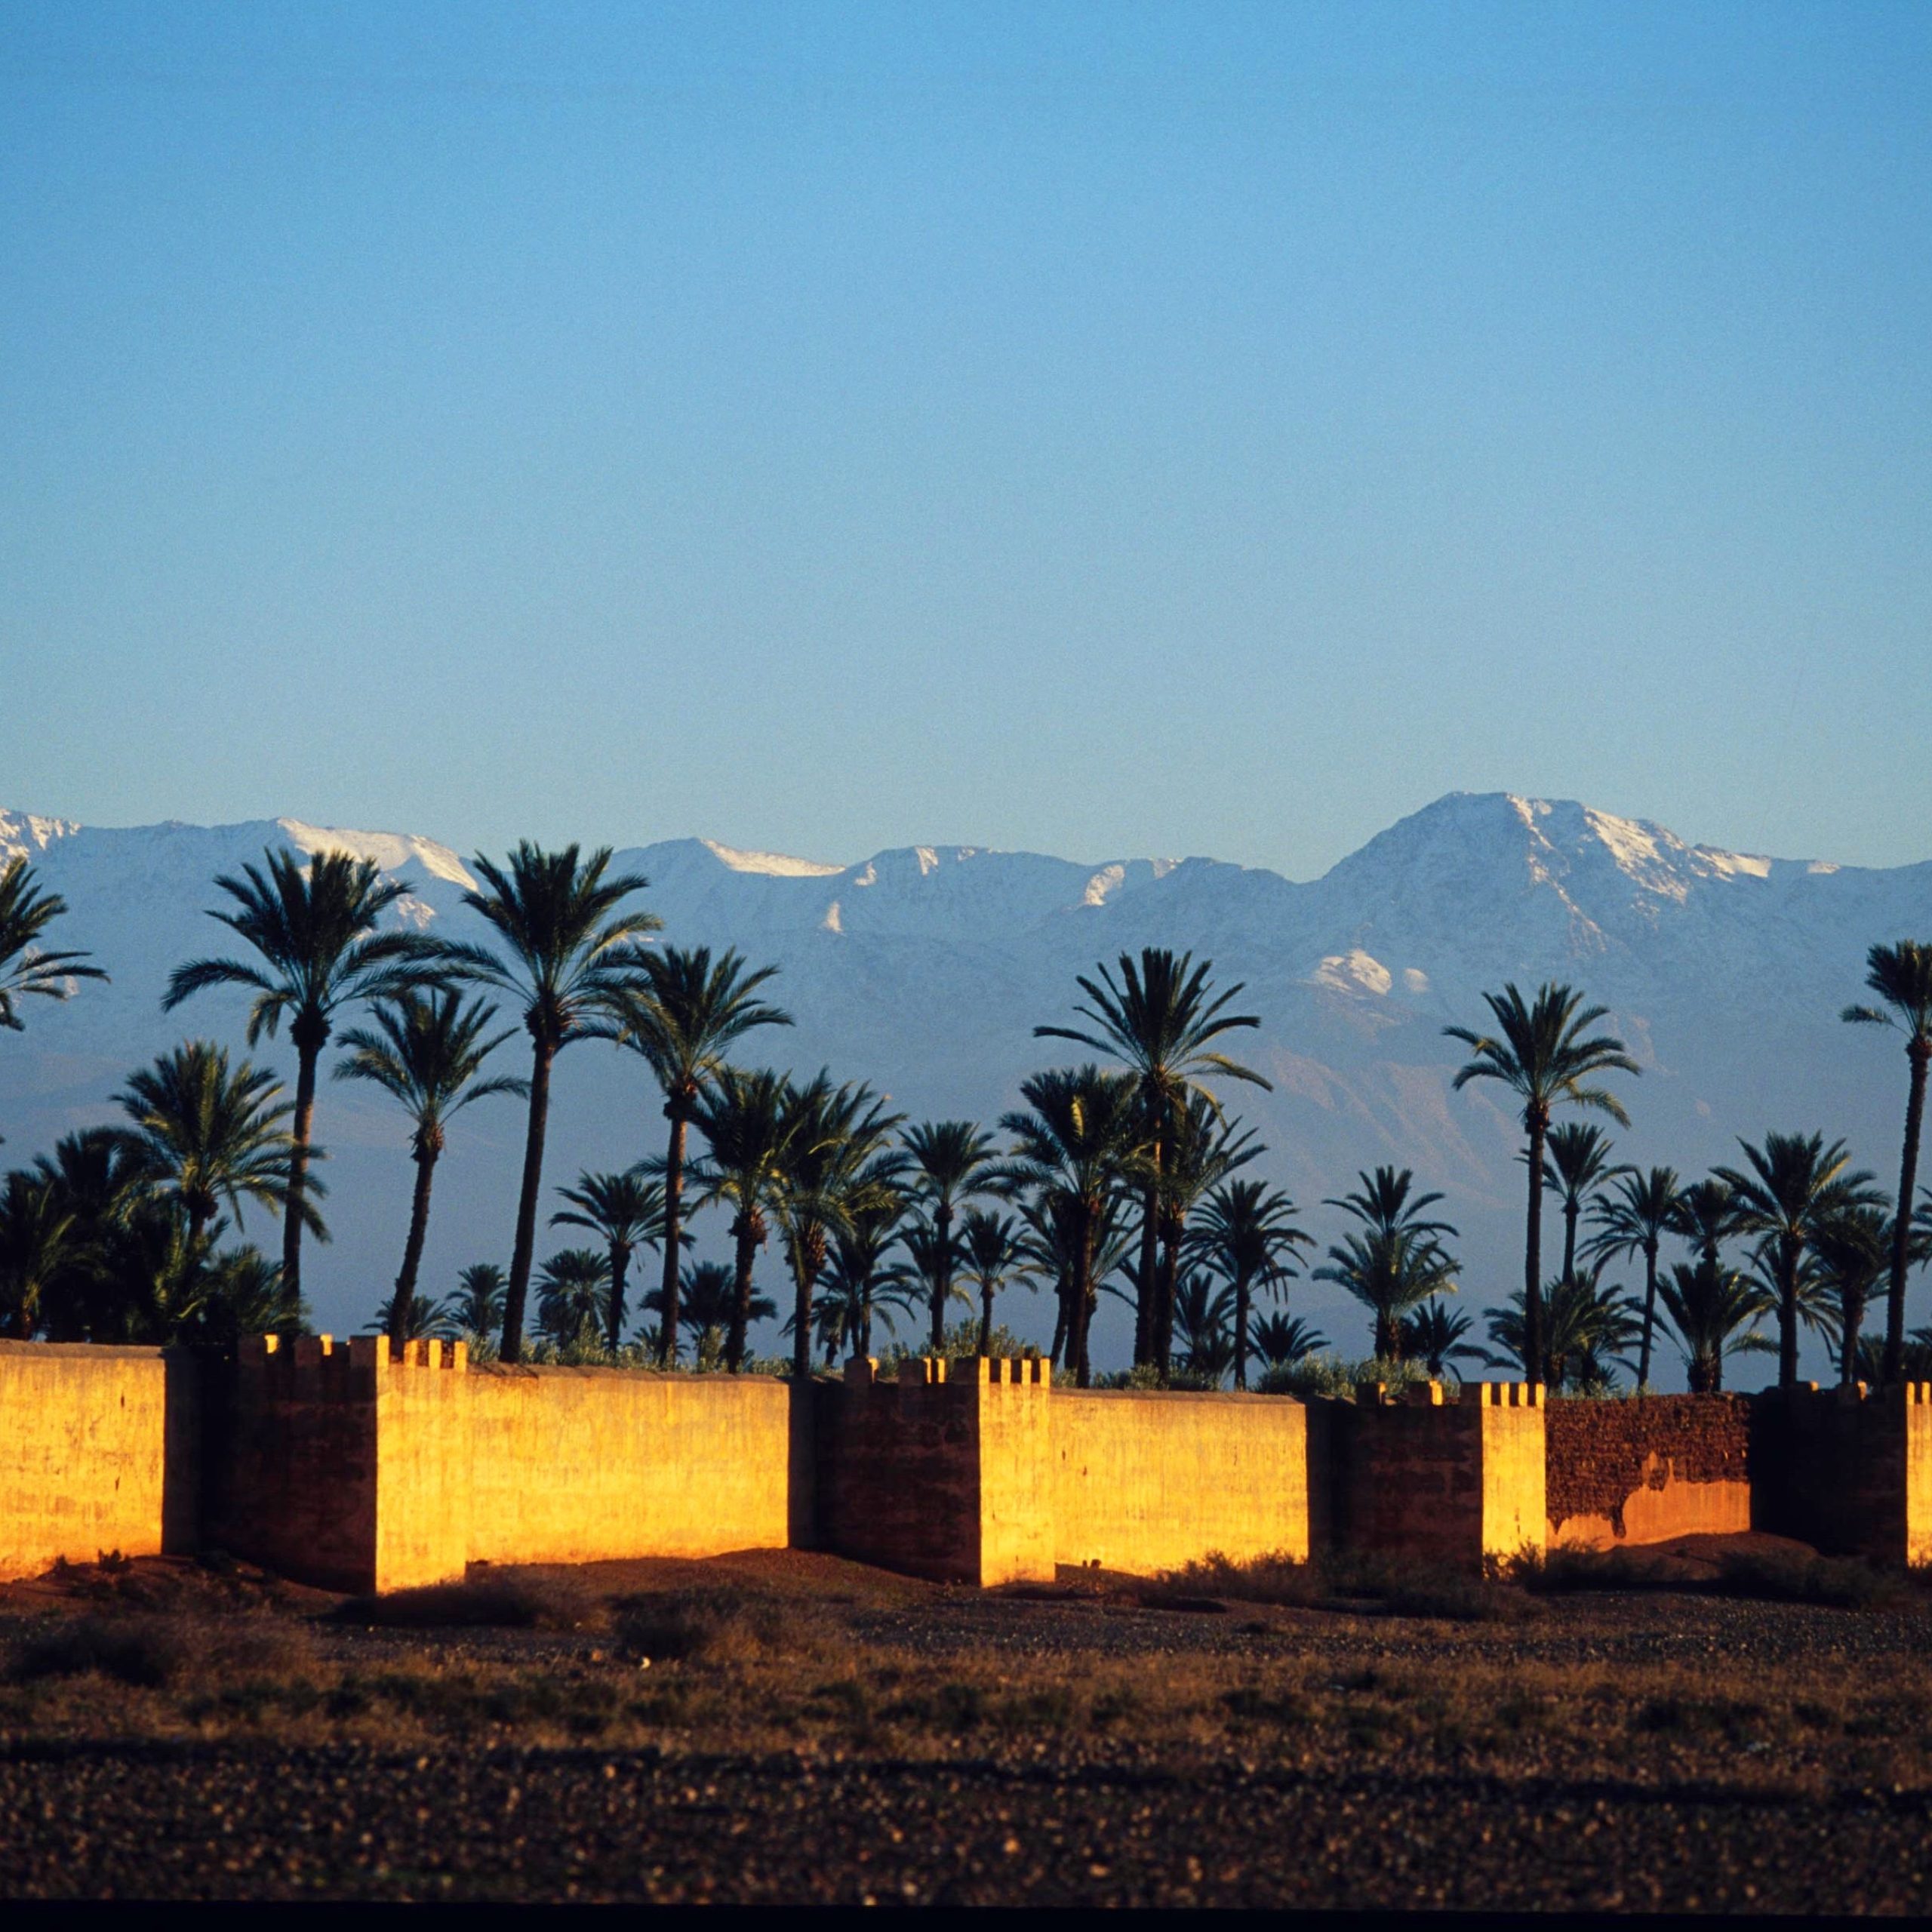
1202,1149
1638,1213
996,1251
93,1181
1399,1261
950,1159
747,1127
859,1281
427,1049
628,1211
1204,1311
1795,1184
573,1297
707,1299
1246,1235
1853,1253
1539,1053
1715,1311
204,1134
1062,1239
1901,975
1433,1335
839,1162
684,1013
1282,1340
1079,1129
314,927
25,968
424,1318
1160,1020
1588,1321
478,1310
572,961
37,1240
1577,1165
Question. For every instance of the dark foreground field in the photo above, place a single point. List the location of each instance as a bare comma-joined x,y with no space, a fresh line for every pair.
807,1730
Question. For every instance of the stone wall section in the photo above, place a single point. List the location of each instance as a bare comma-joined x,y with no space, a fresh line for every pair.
1646,1469
1848,1470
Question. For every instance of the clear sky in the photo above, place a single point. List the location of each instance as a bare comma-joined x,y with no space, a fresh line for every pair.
1107,428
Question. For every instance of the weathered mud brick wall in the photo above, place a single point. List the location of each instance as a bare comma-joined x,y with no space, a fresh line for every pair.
1456,1483
1144,1482
1848,1471
1645,1469
582,1465
348,1464
945,1472
98,1453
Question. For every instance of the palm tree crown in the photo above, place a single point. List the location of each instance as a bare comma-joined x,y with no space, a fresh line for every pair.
313,926
628,1212
1901,975
748,1129
570,959
948,1161
1542,1051
1632,1219
1399,1261
27,968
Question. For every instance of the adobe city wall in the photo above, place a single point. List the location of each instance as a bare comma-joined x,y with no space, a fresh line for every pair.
98,1451
360,1467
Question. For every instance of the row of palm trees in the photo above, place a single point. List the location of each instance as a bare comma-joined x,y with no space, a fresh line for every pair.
1122,1178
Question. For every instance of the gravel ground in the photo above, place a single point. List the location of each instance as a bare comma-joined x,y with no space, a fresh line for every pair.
890,1741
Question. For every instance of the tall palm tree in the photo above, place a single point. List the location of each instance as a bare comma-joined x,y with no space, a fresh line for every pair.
949,1161
573,1297
1068,1243
859,1281
1577,1165
1246,1235
27,968
1852,1252
1160,1020
1715,1311
572,958
1204,1308
995,1251
747,1127
1540,1052
425,1318
686,1012
1202,1149
427,1049
1400,1260
314,926
1079,1130
1589,1321
1636,1215
37,1239
1901,975
1791,1188
205,1133
628,1212
839,1162
94,1182
1705,1215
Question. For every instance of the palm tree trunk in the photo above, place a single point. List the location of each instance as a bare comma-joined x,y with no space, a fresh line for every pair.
1146,1290
801,1314
1057,1354
942,1273
620,1258
1854,1319
1083,1298
1650,1313
1570,1210
1163,1318
1241,1329
1533,1252
517,1291
1787,1312
1918,1051
674,1206
303,1126
401,1303
744,1233
986,1315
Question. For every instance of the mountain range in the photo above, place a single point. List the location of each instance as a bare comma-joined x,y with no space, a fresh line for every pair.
925,969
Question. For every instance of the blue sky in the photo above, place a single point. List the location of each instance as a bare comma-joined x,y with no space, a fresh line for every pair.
1106,430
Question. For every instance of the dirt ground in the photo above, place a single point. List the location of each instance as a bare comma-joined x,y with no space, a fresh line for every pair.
789,1727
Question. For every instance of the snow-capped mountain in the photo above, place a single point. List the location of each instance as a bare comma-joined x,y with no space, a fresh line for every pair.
925,969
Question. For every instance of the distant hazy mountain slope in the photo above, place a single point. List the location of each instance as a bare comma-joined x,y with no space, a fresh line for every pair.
925,969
